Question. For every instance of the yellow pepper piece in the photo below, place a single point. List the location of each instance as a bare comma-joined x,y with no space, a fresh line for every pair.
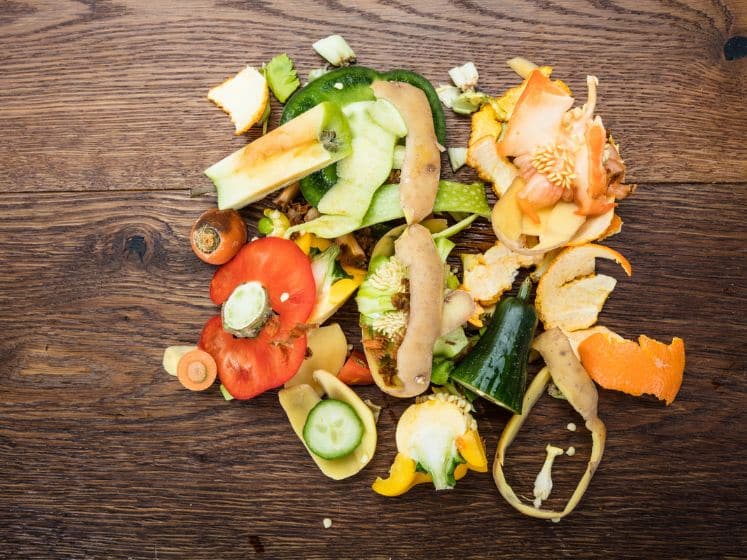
341,290
402,477
308,240
460,471
472,450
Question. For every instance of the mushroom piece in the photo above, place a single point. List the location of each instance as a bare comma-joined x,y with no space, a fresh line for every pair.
416,250
422,165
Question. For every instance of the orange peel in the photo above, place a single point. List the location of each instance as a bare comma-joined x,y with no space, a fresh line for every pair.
646,367
244,97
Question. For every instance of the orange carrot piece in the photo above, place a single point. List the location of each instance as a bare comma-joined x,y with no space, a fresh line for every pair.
197,370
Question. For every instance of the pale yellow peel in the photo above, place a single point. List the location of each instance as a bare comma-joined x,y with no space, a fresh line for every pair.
328,347
578,388
569,294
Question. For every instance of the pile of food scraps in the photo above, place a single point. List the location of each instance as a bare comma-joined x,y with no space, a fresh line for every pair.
361,211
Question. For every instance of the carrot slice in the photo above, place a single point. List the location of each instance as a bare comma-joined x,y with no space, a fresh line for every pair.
649,367
197,370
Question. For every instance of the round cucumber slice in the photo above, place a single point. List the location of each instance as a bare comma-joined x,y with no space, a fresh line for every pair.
333,429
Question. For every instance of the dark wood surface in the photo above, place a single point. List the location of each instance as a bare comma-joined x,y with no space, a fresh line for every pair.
105,127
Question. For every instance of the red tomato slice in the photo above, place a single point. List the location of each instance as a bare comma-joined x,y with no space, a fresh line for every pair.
250,366
356,370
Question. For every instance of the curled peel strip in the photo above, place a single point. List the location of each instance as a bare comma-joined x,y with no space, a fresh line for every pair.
569,375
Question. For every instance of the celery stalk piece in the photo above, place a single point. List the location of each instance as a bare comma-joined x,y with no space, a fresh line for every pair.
456,228
226,395
335,50
281,77
465,76
444,246
457,158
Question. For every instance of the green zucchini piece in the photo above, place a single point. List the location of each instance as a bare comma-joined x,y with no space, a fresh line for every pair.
313,141
333,429
496,368
359,175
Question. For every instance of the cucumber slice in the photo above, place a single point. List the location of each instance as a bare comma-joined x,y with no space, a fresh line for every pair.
387,117
332,429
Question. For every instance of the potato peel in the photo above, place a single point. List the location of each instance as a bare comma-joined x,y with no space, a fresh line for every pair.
567,373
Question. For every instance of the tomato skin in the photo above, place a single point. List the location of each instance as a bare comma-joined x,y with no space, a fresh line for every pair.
217,235
250,366
281,267
355,371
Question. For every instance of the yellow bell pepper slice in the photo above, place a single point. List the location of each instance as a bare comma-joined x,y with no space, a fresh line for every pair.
472,450
308,240
402,477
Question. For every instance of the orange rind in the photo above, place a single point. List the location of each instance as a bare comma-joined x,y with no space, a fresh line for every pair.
647,367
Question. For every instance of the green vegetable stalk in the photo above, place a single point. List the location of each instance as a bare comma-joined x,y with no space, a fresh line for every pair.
451,197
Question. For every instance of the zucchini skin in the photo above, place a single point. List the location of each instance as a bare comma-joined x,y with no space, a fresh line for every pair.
356,81
496,368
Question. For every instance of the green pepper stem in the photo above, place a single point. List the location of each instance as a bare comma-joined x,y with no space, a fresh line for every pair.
525,289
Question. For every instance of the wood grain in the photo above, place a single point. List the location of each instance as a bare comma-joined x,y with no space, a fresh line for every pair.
103,455
105,126
111,95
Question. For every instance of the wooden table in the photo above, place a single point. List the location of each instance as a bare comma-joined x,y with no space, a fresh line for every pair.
105,126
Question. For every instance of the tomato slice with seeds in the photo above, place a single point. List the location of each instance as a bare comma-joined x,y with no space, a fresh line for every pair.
250,366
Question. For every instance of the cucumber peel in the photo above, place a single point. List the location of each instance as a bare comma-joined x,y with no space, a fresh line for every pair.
451,197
